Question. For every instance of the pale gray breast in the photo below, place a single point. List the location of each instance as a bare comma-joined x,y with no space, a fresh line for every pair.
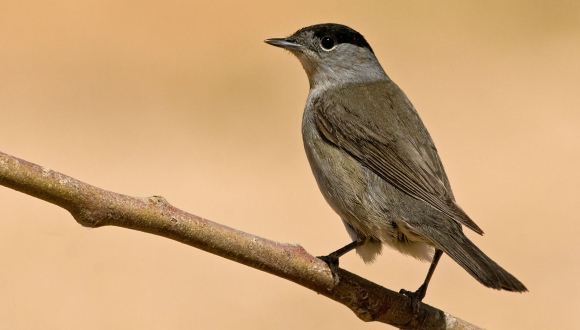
352,190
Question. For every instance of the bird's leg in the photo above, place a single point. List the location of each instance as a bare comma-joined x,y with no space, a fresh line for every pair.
332,259
418,295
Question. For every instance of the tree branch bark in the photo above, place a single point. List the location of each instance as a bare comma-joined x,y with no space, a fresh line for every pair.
94,207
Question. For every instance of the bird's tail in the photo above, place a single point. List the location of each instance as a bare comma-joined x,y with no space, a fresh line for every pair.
476,263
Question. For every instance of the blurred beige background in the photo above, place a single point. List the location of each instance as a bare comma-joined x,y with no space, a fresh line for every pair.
184,100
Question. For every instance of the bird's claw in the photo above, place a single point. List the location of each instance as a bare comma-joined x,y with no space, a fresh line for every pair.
332,262
416,297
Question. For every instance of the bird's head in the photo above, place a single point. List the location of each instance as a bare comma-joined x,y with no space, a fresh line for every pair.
332,54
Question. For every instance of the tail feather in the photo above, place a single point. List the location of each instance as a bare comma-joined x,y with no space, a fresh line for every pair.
476,263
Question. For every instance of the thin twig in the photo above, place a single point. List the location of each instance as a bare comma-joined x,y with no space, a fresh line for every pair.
95,207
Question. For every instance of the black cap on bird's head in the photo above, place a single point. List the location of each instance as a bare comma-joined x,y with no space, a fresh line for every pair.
341,33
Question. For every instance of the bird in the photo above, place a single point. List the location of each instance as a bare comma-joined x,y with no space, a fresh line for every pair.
376,164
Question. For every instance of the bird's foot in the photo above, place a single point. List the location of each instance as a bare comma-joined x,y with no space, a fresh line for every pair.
332,262
416,297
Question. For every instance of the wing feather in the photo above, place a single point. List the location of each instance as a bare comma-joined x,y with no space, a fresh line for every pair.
386,134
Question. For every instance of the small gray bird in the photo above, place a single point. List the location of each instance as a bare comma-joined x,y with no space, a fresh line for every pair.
375,162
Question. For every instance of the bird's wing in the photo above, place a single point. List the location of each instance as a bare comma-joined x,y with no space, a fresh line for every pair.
376,124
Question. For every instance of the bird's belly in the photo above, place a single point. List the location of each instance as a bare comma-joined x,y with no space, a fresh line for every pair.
349,187
370,205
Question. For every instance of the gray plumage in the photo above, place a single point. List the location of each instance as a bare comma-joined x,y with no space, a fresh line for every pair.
373,159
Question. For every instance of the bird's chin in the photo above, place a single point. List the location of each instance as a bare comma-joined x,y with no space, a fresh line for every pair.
308,61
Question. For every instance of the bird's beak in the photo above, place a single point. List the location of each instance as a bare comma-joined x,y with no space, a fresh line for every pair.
286,43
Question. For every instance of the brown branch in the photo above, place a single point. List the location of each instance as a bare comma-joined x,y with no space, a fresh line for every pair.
95,207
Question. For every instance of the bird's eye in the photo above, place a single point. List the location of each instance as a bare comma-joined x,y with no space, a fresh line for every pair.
327,43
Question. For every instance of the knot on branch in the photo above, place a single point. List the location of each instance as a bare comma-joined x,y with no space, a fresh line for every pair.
160,201
88,218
